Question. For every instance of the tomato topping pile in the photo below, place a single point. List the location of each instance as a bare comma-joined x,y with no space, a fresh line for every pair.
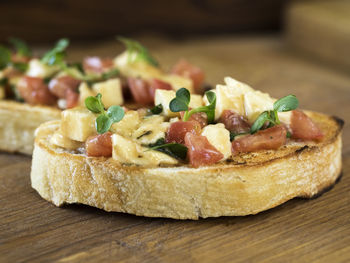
34,91
143,91
99,145
269,139
97,65
200,151
234,122
179,129
184,68
303,127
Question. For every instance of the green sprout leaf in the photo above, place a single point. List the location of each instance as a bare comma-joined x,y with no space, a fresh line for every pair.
176,150
56,55
106,118
181,100
95,104
5,57
142,53
286,103
21,47
157,109
110,74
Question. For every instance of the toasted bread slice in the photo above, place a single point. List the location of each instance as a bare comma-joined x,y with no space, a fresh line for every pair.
18,122
248,184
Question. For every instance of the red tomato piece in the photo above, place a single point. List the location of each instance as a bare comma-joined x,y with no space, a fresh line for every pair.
72,98
184,68
158,84
269,139
200,151
59,86
34,91
99,145
201,117
234,122
179,129
303,127
97,64
140,91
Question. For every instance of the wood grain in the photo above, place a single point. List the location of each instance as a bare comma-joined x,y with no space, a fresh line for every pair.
317,230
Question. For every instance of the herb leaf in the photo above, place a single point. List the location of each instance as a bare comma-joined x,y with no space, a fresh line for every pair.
5,57
56,55
106,118
142,52
286,103
260,121
21,47
157,109
95,104
181,101
176,150
110,74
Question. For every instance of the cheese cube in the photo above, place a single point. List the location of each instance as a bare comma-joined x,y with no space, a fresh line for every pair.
111,91
178,82
38,69
127,151
128,124
84,92
131,67
151,129
240,87
255,103
78,123
62,141
219,137
164,97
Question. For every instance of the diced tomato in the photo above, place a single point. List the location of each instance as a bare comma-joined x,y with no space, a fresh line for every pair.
200,151
201,117
99,145
97,64
140,91
178,130
34,91
234,122
158,84
184,68
303,127
59,86
72,98
269,139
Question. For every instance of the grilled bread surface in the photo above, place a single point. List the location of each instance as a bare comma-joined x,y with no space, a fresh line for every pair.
247,184
18,122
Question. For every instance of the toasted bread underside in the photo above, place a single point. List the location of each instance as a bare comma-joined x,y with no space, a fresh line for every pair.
18,122
249,184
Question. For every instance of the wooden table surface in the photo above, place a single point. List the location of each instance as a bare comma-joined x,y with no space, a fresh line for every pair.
317,230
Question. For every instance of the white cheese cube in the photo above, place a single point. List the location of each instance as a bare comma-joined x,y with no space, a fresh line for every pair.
38,69
84,92
238,86
78,123
219,137
285,117
178,82
127,151
128,124
62,141
255,103
111,91
151,129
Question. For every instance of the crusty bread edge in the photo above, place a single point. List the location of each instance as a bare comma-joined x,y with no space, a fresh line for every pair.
18,122
184,192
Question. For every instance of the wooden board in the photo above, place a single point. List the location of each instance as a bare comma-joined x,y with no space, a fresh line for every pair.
318,230
321,29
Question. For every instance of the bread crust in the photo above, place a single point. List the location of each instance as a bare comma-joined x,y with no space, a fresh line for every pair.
249,184
18,122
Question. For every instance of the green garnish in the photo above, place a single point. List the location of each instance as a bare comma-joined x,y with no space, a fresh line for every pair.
284,104
157,109
21,47
182,100
176,150
110,74
142,53
5,57
106,118
56,55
